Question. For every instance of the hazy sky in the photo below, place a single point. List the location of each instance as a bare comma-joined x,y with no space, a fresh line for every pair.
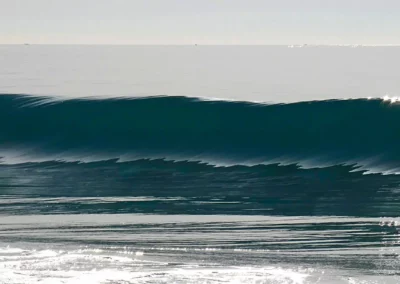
200,21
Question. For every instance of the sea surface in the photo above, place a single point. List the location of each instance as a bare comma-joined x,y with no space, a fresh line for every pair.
199,164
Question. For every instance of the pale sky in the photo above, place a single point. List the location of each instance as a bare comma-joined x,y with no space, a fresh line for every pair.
374,22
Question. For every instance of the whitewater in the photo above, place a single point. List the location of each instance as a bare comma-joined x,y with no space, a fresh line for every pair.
199,164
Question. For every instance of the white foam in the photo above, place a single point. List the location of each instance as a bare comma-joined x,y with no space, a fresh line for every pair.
391,99
8,250
96,266
99,266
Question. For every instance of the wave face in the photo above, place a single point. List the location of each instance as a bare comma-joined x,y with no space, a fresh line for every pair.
318,133
200,157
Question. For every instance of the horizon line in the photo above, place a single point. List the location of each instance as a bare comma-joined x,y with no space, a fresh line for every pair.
291,45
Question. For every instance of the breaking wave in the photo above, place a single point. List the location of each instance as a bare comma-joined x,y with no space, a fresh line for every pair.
360,132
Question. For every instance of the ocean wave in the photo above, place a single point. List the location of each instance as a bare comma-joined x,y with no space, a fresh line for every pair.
361,132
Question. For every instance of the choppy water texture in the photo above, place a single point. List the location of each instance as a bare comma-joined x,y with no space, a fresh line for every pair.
184,190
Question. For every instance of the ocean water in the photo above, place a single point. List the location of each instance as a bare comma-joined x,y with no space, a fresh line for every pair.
199,164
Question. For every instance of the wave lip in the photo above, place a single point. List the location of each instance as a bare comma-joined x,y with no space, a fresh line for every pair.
222,133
